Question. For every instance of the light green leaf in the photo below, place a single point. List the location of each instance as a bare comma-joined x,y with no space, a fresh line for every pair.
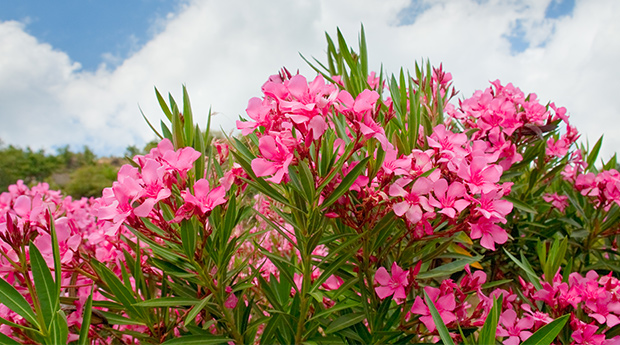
10,297
197,309
168,302
59,329
546,334
441,326
489,329
44,285
83,340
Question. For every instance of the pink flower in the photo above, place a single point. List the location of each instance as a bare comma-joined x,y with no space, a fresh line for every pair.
410,206
488,232
445,306
391,285
278,157
558,201
492,207
448,198
480,177
513,328
202,202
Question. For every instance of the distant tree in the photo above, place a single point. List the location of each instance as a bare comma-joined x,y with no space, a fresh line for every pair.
90,180
27,165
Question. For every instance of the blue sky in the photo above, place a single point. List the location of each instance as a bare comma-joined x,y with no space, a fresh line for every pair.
91,32
77,72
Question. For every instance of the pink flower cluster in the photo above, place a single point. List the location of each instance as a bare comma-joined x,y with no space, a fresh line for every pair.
595,297
25,216
461,174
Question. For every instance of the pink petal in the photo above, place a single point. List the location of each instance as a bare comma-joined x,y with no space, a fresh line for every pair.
263,167
382,277
384,291
400,208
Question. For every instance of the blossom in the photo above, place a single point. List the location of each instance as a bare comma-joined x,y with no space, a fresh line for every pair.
444,303
391,285
413,199
277,158
488,232
448,198
515,329
558,201
203,201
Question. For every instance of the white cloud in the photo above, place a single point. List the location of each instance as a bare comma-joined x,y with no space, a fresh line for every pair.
224,51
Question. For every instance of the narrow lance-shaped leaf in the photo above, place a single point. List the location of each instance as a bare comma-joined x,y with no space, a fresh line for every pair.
489,329
546,334
44,285
87,313
441,326
11,298
163,105
59,328
346,183
188,119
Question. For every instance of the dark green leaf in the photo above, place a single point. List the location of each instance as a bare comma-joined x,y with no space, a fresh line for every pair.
204,339
5,340
593,154
520,205
346,183
345,321
120,292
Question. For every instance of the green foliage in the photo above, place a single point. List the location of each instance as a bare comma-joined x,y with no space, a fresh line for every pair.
27,165
90,180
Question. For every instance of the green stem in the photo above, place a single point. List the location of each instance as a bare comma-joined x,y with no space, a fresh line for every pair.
303,296
33,294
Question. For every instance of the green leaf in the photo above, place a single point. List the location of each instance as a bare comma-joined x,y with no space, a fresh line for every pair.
59,329
520,205
44,285
188,238
345,321
532,276
115,319
441,326
11,298
346,183
197,309
203,339
150,125
546,334
163,105
449,268
56,253
188,119
120,292
171,302
594,152
5,340
83,340
489,329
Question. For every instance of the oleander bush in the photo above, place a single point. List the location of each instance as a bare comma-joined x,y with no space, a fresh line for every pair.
354,207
